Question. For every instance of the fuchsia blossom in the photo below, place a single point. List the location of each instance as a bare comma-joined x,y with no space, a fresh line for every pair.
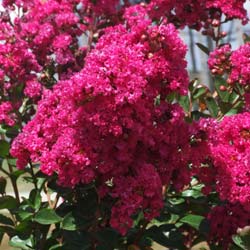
103,116
230,8
227,172
196,14
235,63
231,159
33,89
219,60
224,222
240,61
6,113
103,124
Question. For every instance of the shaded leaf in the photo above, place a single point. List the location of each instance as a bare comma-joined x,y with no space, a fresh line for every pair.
203,48
8,202
107,238
69,222
1,236
6,220
76,240
3,184
166,236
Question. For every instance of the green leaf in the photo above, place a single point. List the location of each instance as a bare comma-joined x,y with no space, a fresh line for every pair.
192,193
47,216
56,247
69,222
166,236
35,199
203,48
4,148
12,162
24,215
212,106
40,182
6,220
175,205
196,115
238,242
192,220
24,227
25,244
231,112
224,95
8,202
184,102
198,92
170,97
12,132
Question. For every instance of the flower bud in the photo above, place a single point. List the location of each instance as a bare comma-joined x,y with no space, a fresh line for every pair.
223,88
223,34
150,55
214,71
215,23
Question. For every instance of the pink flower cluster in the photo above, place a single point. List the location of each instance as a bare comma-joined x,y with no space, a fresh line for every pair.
234,67
235,63
228,173
51,28
197,14
143,190
224,222
227,145
103,116
230,8
240,60
6,113
18,66
231,159
43,43
219,60
103,124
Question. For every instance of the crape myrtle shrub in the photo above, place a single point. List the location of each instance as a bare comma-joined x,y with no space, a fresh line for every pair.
97,107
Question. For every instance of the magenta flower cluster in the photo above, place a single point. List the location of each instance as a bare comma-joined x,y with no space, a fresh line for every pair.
235,64
197,14
101,75
102,124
